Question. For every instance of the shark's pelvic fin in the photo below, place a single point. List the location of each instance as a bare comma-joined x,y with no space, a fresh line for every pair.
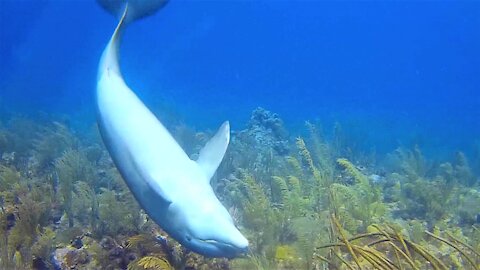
212,153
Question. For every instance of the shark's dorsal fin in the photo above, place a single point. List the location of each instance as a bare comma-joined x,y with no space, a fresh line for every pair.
212,153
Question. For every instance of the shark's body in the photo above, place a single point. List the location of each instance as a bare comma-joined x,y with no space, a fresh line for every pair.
172,189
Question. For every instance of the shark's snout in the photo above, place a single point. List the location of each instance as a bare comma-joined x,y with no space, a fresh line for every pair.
237,242
243,250
213,248
240,242
224,241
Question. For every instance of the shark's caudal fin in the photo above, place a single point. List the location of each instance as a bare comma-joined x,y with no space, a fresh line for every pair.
136,8
127,11
109,61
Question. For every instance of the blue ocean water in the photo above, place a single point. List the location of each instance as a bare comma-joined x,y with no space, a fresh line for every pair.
393,72
393,87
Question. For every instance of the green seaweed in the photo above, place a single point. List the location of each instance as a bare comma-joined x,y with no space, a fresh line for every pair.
44,245
114,216
50,144
21,137
85,204
9,177
322,204
462,171
364,199
30,215
71,168
411,163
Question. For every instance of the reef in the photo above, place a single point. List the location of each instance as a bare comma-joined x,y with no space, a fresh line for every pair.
266,130
310,202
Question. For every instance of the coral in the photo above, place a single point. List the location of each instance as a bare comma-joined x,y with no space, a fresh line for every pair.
3,141
446,171
150,262
94,153
339,142
314,202
50,143
9,177
409,162
267,129
469,207
162,252
286,257
44,245
5,258
72,258
310,232
260,147
29,215
462,171
114,216
274,213
85,204
387,248
320,148
71,168
364,199
260,217
21,137
426,199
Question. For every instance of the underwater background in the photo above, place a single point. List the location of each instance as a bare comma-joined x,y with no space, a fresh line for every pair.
355,132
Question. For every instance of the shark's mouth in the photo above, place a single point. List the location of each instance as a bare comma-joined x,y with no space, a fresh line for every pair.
216,243
224,246
214,248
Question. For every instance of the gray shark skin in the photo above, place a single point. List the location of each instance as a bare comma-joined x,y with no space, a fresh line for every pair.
173,190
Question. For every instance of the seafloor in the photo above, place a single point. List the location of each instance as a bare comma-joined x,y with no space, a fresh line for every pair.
311,202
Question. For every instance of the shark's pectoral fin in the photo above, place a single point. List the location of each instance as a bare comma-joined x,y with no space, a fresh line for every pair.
212,153
159,191
153,183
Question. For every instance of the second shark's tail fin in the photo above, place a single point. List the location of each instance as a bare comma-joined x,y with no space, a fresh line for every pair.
136,8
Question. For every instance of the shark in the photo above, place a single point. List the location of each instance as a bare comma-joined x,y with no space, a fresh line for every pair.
173,189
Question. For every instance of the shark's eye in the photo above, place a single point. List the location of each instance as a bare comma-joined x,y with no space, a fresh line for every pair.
188,238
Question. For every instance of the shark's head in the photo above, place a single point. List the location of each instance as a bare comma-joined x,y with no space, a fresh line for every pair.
208,229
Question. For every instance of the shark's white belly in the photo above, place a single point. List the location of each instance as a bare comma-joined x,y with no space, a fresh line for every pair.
140,145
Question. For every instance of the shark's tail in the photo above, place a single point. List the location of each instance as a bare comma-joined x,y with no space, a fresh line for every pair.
126,11
136,8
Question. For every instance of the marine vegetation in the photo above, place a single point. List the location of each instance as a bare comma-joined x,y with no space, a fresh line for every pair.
312,200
